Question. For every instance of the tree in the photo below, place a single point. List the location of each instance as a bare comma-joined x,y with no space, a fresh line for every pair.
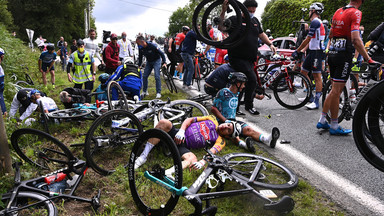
181,17
5,15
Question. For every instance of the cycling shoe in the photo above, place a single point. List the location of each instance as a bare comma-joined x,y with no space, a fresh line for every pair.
339,131
323,126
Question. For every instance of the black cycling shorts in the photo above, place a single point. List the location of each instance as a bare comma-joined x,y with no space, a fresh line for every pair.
183,146
340,64
313,61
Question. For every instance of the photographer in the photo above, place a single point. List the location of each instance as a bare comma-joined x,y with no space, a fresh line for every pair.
376,50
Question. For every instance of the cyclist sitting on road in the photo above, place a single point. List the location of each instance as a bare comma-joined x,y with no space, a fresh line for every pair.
129,77
46,63
218,79
194,133
314,59
69,96
224,108
2,103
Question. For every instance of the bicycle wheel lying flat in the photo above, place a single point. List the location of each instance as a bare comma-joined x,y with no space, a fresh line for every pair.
149,196
294,84
69,113
271,174
23,199
110,139
41,149
115,90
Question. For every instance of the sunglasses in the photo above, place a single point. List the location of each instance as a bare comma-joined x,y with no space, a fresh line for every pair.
114,38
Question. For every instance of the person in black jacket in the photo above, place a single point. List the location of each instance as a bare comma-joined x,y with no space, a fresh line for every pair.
70,95
376,50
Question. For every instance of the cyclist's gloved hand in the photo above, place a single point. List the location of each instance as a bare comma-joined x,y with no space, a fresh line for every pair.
180,136
295,55
354,60
198,165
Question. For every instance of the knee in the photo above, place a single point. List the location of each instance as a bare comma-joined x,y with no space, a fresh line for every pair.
190,157
164,125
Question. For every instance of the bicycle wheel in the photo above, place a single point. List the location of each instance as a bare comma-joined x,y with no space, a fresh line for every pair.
24,199
201,98
207,67
116,103
69,113
110,139
369,108
295,84
269,174
29,79
179,110
24,84
41,149
197,76
167,79
149,196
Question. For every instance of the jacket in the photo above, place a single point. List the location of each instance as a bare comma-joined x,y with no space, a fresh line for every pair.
112,55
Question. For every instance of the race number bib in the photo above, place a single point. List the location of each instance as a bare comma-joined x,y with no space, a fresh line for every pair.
338,44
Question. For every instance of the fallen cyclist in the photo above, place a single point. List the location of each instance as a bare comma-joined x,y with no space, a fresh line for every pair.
224,108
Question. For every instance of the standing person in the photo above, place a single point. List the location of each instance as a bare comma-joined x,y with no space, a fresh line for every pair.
243,55
2,103
111,54
179,38
73,47
64,55
60,43
314,58
84,67
155,59
91,45
125,47
343,37
187,53
170,50
46,63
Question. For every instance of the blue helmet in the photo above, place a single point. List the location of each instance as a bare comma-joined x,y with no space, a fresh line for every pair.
103,77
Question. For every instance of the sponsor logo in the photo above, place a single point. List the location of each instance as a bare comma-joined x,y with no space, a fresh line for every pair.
204,130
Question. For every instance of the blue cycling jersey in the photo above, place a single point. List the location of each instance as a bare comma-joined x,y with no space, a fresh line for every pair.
226,102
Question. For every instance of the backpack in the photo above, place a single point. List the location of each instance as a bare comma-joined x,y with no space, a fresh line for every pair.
114,53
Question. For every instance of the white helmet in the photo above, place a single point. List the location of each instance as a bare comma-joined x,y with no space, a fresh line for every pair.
268,31
318,7
1,52
291,35
128,60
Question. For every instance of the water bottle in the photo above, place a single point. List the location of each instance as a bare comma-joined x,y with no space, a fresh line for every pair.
72,182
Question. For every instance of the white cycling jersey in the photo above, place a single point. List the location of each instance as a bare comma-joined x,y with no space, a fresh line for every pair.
48,103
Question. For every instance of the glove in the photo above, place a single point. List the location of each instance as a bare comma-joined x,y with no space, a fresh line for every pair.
198,165
180,135
326,51
295,55
354,60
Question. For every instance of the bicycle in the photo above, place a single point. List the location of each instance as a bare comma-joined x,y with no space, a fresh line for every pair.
168,79
157,193
26,83
35,196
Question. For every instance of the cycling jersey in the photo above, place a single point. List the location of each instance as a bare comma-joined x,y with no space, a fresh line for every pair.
1,71
202,129
48,103
179,40
317,34
226,102
2,103
129,80
46,57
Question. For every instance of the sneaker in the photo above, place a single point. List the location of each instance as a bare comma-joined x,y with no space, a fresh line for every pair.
250,146
180,76
158,95
139,161
275,136
185,86
191,87
323,126
253,111
145,93
339,131
303,99
312,106
239,113
53,87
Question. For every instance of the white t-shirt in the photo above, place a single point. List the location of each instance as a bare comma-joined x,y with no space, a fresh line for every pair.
47,102
125,48
92,47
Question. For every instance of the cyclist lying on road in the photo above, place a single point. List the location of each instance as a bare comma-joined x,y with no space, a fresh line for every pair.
194,133
69,96
224,108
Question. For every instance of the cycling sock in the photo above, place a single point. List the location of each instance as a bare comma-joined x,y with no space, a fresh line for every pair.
317,98
242,144
147,149
334,124
323,117
265,139
175,75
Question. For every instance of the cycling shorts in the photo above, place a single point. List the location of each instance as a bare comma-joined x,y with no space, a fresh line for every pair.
178,57
45,67
313,61
340,64
210,90
219,56
243,125
182,147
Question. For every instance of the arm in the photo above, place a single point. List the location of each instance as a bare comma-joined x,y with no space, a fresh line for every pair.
130,49
140,57
14,106
30,109
218,114
108,54
98,54
40,63
170,41
224,8
266,40
358,44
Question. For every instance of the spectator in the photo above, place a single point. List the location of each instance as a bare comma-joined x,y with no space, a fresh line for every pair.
64,55
125,47
170,50
84,67
91,45
40,43
2,103
60,43
73,47
178,40
112,55
155,59
46,63
376,50
187,53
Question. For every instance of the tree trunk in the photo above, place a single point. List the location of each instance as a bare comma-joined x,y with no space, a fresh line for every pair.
5,157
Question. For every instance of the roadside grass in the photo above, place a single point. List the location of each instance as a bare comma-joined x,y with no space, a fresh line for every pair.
115,197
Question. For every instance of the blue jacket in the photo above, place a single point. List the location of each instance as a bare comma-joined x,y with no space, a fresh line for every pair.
131,81
152,52
189,43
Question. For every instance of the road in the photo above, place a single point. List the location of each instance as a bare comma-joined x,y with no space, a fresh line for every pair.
332,164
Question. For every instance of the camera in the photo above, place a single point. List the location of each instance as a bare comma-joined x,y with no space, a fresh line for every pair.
106,35
377,45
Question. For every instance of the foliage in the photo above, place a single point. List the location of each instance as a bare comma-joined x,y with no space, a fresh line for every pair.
181,17
51,19
5,15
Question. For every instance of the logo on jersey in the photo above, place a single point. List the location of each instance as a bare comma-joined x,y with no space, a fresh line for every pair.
204,130
233,103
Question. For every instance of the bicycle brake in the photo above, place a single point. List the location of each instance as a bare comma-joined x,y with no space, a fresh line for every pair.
209,182
223,175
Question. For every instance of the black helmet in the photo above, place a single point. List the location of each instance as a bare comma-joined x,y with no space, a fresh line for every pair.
101,67
237,77
50,47
236,129
80,42
318,7
185,28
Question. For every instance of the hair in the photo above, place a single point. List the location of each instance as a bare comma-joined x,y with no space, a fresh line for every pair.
91,30
63,96
250,3
73,40
140,37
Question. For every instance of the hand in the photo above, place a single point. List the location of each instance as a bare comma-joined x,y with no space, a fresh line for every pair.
170,50
41,70
273,48
94,77
295,55
198,165
69,77
354,60
180,136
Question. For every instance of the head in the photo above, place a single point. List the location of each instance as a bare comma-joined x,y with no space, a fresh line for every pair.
209,24
74,42
65,97
185,29
80,45
2,54
237,80
51,48
315,9
124,35
229,129
65,43
356,3
251,6
140,40
325,23
128,60
34,95
92,34
114,38
103,77
62,38
361,28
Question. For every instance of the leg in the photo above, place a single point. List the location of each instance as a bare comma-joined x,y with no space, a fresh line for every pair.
147,72
156,67
44,75
52,77
89,85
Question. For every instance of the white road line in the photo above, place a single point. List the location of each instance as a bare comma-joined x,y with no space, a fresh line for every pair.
348,187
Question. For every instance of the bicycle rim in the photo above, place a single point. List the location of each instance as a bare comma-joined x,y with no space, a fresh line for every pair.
271,175
110,139
342,102
41,149
289,98
119,101
166,79
23,199
150,197
69,113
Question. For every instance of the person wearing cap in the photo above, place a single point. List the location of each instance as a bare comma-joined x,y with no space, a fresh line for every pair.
112,51
46,63
84,67
125,47
91,45
22,102
2,102
244,54
155,59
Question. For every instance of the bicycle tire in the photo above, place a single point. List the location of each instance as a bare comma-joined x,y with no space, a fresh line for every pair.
272,175
201,98
29,79
208,65
372,151
376,118
149,197
45,208
122,100
72,113
167,79
171,78
44,118
41,149
289,98
191,109
108,141
23,84
197,75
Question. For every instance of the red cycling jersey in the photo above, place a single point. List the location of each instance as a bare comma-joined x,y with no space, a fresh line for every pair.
179,39
346,20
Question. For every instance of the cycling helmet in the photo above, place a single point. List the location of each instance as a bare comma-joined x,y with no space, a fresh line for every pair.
268,31
50,47
2,52
80,42
103,77
325,22
128,60
237,77
318,7
185,28
101,67
226,58
209,22
33,92
291,35
236,129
